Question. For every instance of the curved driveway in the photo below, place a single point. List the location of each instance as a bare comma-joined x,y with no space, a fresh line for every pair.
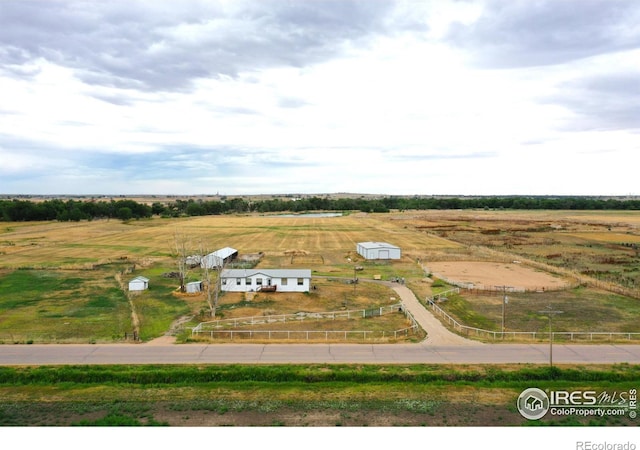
440,347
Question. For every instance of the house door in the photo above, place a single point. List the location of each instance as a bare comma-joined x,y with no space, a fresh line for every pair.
268,281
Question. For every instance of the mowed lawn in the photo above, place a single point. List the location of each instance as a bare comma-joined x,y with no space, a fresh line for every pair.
61,306
58,280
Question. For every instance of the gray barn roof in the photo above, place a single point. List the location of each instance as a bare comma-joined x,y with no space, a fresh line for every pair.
374,245
271,273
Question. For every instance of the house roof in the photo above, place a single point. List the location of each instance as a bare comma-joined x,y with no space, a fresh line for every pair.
272,273
374,245
143,279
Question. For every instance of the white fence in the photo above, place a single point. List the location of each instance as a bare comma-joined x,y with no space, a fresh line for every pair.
339,335
535,335
299,317
227,328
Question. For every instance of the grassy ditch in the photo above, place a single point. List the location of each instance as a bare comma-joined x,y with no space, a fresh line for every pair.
294,395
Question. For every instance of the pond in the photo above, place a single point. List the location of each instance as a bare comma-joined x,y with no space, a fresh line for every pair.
326,214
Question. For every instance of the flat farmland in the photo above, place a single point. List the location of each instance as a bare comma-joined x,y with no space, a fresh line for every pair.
597,250
58,244
91,262
100,256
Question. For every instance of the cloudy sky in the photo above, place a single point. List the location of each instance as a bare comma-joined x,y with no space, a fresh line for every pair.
320,96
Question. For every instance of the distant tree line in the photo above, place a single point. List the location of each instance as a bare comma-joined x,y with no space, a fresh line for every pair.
76,210
72,210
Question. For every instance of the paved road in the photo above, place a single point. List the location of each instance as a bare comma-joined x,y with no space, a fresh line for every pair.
315,353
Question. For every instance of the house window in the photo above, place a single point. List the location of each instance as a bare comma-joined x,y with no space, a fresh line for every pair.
224,281
248,281
300,281
238,281
284,281
259,281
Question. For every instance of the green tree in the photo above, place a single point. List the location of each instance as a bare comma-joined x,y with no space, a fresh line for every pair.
124,213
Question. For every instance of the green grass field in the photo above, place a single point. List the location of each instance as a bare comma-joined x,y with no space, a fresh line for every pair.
295,395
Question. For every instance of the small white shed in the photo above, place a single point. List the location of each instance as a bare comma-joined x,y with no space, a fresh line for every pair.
139,284
378,250
194,287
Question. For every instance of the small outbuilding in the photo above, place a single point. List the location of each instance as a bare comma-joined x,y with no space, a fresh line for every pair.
378,250
139,284
193,261
255,280
194,287
219,258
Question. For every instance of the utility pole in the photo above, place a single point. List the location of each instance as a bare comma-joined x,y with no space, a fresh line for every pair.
550,313
505,300
355,278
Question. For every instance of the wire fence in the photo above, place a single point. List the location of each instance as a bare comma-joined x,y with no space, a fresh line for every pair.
589,336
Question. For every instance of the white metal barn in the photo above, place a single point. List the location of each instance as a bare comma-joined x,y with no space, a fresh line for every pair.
378,250
280,280
139,284
218,258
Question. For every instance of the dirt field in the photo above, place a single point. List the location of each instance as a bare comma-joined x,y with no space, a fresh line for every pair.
488,275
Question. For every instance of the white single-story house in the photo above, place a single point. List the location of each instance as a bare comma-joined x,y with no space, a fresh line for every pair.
219,258
378,250
139,284
194,287
280,280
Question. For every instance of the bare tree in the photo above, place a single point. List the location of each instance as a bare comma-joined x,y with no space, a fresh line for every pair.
180,249
213,292
218,288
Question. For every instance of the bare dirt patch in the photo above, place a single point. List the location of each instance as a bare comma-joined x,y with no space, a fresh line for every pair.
483,274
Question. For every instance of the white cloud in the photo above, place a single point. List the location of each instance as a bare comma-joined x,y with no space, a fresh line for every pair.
250,97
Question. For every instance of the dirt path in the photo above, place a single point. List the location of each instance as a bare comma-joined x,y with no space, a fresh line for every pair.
437,334
170,336
489,274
